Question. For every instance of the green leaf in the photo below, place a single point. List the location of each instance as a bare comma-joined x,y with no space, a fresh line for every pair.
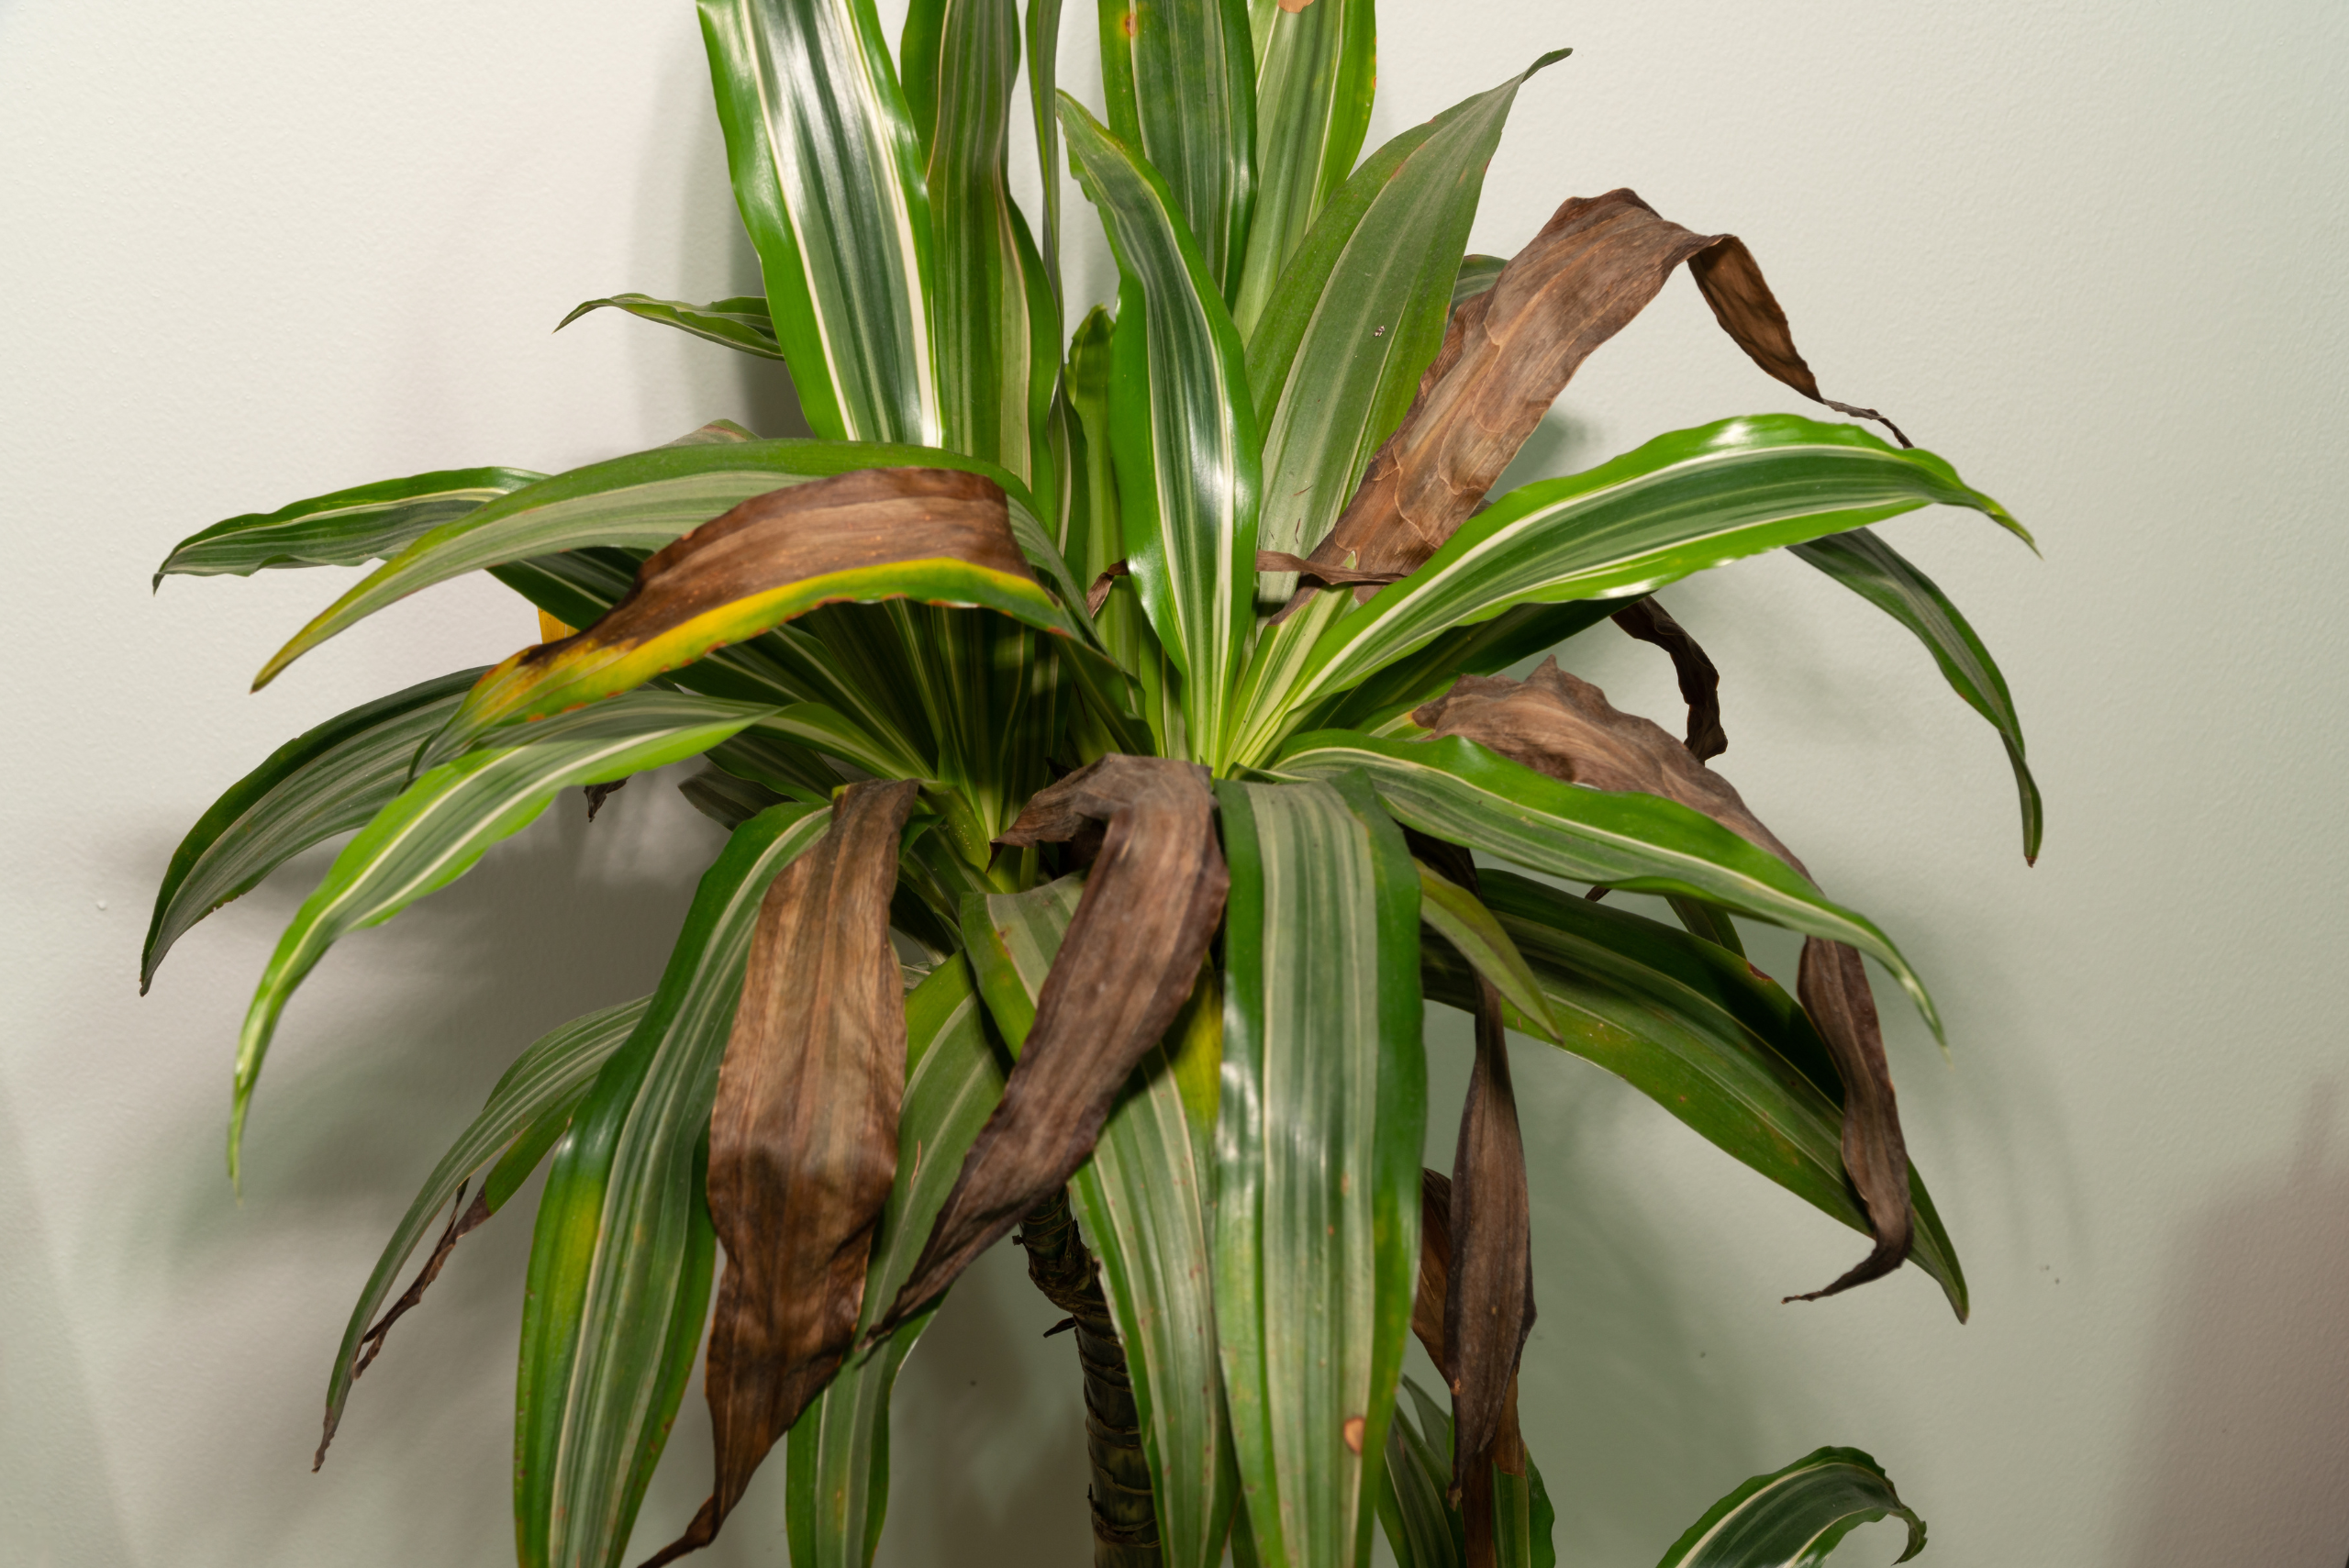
436,829
1043,99
739,323
1794,1517
1478,275
1142,1200
1460,918
1182,429
1323,1117
1423,1527
1699,1030
347,527
995,333
641,501
1873,570
1359,313
839,1459
828,175
325,781
1458,790
619,1264
1315,72
525,1113
1179,78
1682,502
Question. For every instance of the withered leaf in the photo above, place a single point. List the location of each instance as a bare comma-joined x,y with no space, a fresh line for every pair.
1701,684
1564,727
1506,1449
1130,956
1509,351
803,1138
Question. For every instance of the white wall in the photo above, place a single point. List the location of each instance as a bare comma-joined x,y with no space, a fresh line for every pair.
254,250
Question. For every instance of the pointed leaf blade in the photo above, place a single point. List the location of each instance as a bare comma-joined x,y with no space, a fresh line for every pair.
347,527
328,780
1322,1119
1794,1517
828,175
741,323
436,829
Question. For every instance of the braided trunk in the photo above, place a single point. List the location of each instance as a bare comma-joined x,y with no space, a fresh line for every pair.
1125,1524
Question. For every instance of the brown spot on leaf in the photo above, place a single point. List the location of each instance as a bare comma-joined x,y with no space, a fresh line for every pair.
1352,1431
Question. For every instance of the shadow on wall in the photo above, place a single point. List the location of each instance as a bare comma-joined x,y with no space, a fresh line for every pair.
2243,1450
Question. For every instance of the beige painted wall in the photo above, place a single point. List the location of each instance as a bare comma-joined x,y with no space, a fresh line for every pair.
255,250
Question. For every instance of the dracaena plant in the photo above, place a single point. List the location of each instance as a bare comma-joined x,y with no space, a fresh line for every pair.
1108,723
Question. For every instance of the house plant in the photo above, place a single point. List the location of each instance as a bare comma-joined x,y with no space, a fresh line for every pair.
1104,720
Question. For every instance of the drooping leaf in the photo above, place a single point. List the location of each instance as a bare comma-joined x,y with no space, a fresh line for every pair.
519,1122
995,328
1359,311
739,323
1509,350
1183,427
1873,570
642,501
1700,681
1179,78
325,781
1566,728
1383,704
434,830
828,175
1322,1117
1680,504
1703,1034
1456,790
1794,1517
1428,1532
1488,1304
615,1288
349,527
1130,956
1316,67
934,534
803,1136
1143,1202
839,1456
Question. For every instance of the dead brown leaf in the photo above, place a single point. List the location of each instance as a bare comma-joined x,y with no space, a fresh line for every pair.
1131,955
803,1138
1564,727
1701,684
1509,351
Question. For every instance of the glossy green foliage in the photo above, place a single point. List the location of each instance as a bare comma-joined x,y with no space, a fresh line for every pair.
1423,1528
1359,311
1696,1028
1143,1202
325,781
1321,1118
1794,1517
525,1114
1876,573
349,527
1316,69
621,1260
827,175
1183,431
1458,790
437,828
1179,78
839,1459
741,323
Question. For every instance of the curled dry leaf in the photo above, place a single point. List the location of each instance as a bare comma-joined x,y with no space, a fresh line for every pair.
803,1137
1701,684
1565,728
463,1219
1132,953
1505,1449
1509,351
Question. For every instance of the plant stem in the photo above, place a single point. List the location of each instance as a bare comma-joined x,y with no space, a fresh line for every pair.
1124,1524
